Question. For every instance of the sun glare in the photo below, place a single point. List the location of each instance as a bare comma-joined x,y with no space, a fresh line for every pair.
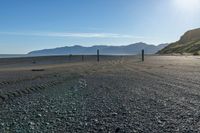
188,5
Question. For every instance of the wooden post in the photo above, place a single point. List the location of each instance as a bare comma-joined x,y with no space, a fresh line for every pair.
98,55
82,57
143,55
70,57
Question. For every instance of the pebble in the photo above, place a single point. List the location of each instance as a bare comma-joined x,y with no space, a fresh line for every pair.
2,124
114,114
39,115
32,125
117,130
96,120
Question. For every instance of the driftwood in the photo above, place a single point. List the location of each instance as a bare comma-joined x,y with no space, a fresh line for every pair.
36,70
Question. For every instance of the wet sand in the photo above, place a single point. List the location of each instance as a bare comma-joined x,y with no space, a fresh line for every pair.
117,94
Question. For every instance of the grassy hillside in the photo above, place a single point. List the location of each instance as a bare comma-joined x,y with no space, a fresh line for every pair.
188,43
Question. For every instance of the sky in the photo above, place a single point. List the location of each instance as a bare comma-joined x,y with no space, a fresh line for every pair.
27,25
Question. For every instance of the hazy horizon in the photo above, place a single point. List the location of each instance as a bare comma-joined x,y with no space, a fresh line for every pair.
32,25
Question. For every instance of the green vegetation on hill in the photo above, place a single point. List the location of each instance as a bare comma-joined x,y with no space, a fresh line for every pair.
188,43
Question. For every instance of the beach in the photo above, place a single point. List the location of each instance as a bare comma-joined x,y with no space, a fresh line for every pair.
117,94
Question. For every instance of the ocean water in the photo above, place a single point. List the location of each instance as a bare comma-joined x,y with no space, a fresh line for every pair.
12,55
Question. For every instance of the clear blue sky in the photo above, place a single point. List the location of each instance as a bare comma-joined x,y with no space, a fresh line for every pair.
27,25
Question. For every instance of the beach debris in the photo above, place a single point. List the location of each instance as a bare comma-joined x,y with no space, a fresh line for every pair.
35,70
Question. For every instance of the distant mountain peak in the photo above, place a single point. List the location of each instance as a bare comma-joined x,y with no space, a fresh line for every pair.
105,50
77,46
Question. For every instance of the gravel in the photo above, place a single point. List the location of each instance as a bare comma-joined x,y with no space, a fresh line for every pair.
122,95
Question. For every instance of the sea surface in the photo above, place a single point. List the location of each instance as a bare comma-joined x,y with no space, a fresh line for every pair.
12,55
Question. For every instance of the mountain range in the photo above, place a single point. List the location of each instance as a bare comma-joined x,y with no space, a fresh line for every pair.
131,49
188,43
